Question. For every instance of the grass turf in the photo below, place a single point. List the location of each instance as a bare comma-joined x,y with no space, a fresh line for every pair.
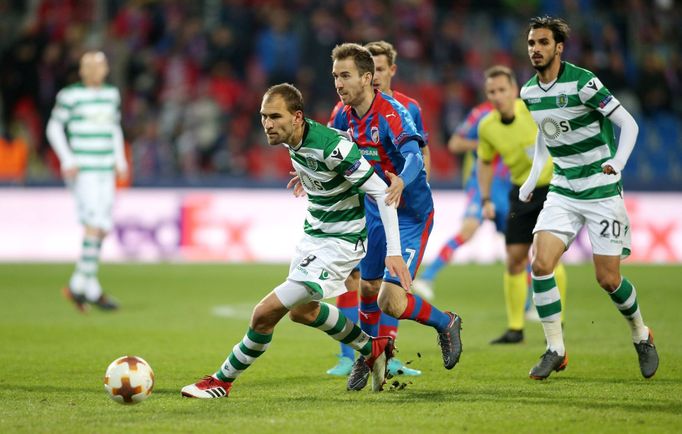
53,359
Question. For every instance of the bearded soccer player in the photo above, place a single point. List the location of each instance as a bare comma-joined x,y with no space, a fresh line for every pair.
385,68
334,175
90,159
389,140
575,114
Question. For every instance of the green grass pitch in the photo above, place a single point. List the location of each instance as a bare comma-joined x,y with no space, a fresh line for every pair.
52,359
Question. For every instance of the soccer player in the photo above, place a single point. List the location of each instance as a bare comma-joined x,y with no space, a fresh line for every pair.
389,140
385,68
334,175
575,114
465,140
89,113
509,131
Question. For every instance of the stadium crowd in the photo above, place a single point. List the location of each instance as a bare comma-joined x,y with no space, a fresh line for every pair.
191,74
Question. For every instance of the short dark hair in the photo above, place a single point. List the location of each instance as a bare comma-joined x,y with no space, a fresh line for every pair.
361,56
292,96
383,48
498,70
558,26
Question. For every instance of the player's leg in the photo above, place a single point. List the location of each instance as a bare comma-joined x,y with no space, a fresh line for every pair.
255,342
515,292
518,238
556,228
399,303
348,305
374,351
94,199
608,229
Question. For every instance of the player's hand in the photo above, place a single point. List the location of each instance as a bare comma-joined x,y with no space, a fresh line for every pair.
525,195
489,210
295,183
69,173
122,174
611,167
394,190
397,268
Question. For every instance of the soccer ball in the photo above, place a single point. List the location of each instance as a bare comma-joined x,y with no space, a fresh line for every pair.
129,380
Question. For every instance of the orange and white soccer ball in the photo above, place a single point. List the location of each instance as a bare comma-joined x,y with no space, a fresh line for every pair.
129,380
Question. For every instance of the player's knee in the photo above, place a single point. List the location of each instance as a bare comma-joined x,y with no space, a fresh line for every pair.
260,318
392,300
542,266
370,288
608,281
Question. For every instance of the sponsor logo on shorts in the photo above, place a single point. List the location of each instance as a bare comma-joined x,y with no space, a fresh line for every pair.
302,270
324,275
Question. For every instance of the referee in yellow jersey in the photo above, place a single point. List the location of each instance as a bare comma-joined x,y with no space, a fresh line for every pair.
510,131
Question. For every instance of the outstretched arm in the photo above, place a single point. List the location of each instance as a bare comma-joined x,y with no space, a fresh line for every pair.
539,160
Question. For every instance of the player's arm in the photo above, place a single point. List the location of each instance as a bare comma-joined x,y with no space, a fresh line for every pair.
626,141
414,163
485,179
541,154
459,144
376,187
426,157
360,173
57,137
486,171
119,146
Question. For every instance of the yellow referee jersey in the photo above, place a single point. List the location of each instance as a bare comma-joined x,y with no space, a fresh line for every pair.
515,142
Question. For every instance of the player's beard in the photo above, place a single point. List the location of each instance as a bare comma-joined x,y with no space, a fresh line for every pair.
543,67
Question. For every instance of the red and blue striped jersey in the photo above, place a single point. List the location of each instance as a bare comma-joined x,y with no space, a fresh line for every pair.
415,111
385,127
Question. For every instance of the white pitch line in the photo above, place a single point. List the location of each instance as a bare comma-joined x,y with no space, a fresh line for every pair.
237,311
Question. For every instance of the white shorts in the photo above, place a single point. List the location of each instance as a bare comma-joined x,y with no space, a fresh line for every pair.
94,192
607,222
322,265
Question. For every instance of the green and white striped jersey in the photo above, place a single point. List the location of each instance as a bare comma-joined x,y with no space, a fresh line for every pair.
91,117
572,114
331,170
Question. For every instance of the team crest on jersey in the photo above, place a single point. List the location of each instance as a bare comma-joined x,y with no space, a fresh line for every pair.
375,134
562,100
311,163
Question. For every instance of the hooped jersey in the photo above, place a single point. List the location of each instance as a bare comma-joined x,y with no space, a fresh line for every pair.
572,114
90,115
331,170
385,127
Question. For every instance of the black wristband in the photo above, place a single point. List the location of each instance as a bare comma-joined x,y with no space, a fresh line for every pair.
485,200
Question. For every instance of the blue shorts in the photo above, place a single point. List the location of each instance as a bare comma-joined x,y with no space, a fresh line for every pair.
414,234
499,194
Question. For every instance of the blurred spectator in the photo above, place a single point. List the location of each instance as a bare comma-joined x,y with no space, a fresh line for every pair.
13,158
191,73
